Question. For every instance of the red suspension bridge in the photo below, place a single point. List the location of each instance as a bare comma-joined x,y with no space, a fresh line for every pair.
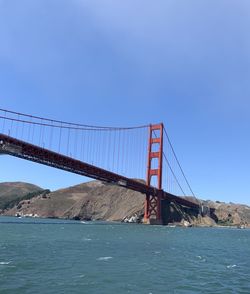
111,154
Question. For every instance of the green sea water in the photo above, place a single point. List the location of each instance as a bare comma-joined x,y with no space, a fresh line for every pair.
54,256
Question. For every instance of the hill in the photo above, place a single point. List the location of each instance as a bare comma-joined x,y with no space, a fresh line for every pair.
100,201
92,200
13,192
230,214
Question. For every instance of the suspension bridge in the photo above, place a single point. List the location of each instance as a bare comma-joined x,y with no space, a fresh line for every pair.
117,155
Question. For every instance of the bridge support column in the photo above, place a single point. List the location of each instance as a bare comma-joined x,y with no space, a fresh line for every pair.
153,214
153,210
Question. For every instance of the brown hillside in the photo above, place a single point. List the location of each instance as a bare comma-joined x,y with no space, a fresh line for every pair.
99,201
92,200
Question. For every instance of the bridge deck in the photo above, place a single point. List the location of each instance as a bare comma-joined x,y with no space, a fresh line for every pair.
21,149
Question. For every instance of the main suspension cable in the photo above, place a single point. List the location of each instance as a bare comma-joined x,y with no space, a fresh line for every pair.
172,148
178,183
79,126
171,169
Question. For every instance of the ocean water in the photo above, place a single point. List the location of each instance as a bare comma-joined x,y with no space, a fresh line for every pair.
54,256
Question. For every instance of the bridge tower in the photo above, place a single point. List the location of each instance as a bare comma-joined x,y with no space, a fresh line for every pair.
152,214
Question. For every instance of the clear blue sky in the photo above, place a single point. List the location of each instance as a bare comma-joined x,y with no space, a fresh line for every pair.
186,63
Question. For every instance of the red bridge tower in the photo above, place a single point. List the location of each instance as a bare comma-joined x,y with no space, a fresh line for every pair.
153,213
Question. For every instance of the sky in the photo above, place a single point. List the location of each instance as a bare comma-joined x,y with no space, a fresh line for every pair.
133,62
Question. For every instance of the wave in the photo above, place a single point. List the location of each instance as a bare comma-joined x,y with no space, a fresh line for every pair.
5,262
105,258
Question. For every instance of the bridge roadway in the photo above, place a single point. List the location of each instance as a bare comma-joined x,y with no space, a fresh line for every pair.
21,149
